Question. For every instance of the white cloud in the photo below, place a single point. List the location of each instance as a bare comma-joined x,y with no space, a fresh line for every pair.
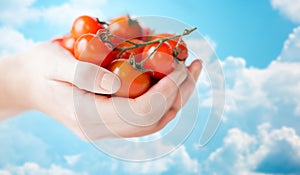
243,86
17,12
268,98
22,152
31,168
291,49
179,160
263,153
154,167
269,89
289,8
70,10
72,159
190,165
18,145
13,42
4,172
231,157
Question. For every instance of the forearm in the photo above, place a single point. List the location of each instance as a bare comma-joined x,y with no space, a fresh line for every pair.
11,93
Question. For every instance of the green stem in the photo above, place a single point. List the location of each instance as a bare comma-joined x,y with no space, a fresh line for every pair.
148,57
107,34
177,49
137,45
104,36
101,22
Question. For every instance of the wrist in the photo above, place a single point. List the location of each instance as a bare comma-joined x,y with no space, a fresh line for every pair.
13,90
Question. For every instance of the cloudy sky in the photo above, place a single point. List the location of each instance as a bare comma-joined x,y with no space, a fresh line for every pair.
258,44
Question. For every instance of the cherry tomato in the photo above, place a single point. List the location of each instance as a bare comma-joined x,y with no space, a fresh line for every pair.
137,52
68,43
90,48
110,57
181,52
133,82
57,40
161,62
124,27
84,25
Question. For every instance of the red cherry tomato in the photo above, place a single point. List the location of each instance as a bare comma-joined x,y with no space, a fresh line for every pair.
84,25
124,27
137,52
161,62
68,43
57,40
90,48
181,52
133,82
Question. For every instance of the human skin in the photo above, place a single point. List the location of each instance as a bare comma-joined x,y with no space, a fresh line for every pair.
49,79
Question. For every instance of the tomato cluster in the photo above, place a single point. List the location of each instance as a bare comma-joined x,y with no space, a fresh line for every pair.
134,53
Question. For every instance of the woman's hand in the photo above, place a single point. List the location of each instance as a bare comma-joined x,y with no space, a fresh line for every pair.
49,79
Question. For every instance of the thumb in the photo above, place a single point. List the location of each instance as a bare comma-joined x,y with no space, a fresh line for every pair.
95,79
83,75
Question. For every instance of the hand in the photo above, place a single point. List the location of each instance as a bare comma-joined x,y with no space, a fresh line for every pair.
51,80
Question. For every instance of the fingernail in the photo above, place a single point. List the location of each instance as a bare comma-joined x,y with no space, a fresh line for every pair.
110,83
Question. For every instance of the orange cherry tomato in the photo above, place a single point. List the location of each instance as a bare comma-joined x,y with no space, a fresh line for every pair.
57,40
161,61
133,82
84,25
136,52
181,52
90,48
124,27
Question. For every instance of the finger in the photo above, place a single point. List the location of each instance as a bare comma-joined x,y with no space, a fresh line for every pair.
148,109
185,92
83,75
167,87
156,127
187,88
169,116
95,79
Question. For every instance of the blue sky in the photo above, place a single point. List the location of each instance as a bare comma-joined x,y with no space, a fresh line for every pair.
258,45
